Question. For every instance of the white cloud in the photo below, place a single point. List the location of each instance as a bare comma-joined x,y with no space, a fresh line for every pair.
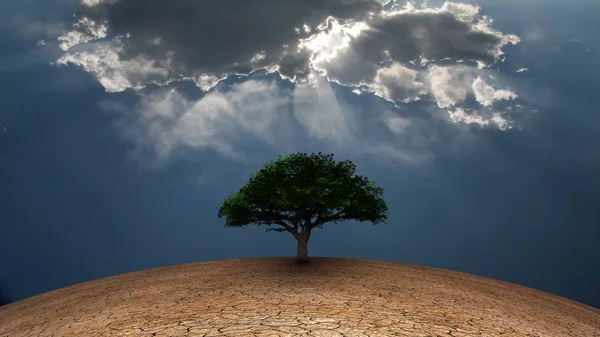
522,70
398,82
206,82
364,54
501,122
86,30
486,95
332,55
388,151
396,123
91,3
460,115
465,12
450,85
115,75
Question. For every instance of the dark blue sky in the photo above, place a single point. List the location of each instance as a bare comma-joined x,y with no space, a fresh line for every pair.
82,200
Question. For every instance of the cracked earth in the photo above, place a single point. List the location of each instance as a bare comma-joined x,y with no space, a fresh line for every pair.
273,297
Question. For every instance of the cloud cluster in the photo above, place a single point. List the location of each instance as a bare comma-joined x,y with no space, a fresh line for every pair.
166,120
353,42
211,38
226,119
399,53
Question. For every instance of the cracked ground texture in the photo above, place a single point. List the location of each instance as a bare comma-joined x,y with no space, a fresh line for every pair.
269,297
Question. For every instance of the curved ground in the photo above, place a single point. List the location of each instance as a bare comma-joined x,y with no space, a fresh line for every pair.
275,297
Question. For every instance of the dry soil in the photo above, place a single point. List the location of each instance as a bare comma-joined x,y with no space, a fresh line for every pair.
276,297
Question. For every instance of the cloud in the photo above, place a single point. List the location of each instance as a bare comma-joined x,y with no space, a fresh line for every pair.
398,53
395,123
450,85
352,42
86,30
452,31
486,95
394,154
460,115
115,74
34,29
398,82
166,120
201,34
534,34
91,3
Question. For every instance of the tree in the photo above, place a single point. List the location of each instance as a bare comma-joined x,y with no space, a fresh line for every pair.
298,192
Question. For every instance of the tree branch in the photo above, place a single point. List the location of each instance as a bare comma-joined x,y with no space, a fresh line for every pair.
286,226
275,217
326,219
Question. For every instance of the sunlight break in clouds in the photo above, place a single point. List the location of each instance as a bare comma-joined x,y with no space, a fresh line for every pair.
400,53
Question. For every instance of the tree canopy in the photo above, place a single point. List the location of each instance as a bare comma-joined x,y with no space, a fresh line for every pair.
292,188
299,192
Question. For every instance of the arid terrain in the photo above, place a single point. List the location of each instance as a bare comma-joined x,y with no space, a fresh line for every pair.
275,297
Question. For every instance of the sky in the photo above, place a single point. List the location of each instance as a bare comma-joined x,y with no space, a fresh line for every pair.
124,124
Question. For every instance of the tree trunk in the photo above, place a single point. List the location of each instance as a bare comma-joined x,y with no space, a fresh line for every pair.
302,256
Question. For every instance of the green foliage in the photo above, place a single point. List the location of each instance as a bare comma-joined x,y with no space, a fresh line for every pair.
301,190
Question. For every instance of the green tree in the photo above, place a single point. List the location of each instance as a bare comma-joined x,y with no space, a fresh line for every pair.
300,192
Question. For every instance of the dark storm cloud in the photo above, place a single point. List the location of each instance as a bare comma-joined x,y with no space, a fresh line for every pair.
392,52
433,34
347,40
413,37
220,36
